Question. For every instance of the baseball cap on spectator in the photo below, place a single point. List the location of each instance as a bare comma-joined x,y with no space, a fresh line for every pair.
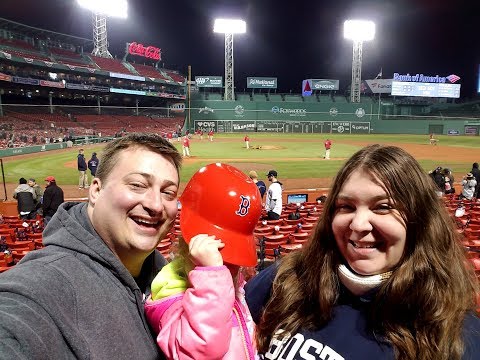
469,176
272,173
50,178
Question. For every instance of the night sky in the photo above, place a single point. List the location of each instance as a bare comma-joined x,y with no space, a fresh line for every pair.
290,40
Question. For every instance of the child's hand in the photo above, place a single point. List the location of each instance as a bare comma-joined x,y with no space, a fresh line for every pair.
204,250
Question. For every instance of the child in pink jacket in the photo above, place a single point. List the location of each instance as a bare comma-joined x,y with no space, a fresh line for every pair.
197,306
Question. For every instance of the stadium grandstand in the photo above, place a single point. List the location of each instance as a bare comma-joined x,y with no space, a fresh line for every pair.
52,81
52,89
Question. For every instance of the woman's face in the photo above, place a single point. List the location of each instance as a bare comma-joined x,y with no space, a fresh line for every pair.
368,230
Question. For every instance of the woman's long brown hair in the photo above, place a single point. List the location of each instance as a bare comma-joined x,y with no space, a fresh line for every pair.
420,309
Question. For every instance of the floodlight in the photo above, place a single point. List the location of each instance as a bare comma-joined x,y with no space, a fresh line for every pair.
229,26
100,10
113,8
359,30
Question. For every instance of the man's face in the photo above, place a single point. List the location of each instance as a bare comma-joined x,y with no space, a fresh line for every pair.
135,206
31,183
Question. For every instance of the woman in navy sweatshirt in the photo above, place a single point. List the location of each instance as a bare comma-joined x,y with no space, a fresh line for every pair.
384,275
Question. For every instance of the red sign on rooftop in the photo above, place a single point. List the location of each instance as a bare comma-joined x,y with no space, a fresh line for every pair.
150,52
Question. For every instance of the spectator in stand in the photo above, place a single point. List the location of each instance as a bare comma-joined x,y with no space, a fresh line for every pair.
439,180
260,184
449,181
26,198
476,174
52,199
93,164
82,296
384,275
247,141
273,204
169,136
186,146
82,170
38,195
469,184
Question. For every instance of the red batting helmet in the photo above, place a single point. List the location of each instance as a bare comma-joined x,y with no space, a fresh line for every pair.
221,200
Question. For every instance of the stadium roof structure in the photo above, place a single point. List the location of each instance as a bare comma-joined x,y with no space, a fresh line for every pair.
35,32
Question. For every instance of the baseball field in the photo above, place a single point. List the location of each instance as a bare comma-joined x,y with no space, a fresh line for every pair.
298,158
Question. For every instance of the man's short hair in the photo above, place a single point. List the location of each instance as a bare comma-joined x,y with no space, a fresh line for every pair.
31,179
22,181
152,142
253,174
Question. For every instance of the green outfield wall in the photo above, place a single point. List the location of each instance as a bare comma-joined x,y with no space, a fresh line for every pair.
316,117
31,149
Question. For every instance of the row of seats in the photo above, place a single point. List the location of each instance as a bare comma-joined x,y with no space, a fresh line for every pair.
70,58
17,238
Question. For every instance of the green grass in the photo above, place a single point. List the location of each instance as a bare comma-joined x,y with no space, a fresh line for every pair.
298,156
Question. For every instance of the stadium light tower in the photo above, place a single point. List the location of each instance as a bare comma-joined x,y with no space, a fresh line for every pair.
358,31
100,10
229,27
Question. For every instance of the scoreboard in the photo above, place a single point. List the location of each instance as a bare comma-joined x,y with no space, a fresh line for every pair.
443,90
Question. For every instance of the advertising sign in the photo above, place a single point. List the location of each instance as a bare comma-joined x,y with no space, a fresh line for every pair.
127,76
5,77
261,82
360,128
306,87
126,91
177,107
378,86
79,86
56,84
243,126
471,130
324,84
26,81
452,78
150,52
209,81
100,88
205,126
277,110
453,132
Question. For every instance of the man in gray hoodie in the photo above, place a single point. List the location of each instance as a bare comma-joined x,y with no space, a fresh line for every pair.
81,297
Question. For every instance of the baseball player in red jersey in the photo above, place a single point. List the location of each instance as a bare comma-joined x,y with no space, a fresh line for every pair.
328,145
247,141
186,146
